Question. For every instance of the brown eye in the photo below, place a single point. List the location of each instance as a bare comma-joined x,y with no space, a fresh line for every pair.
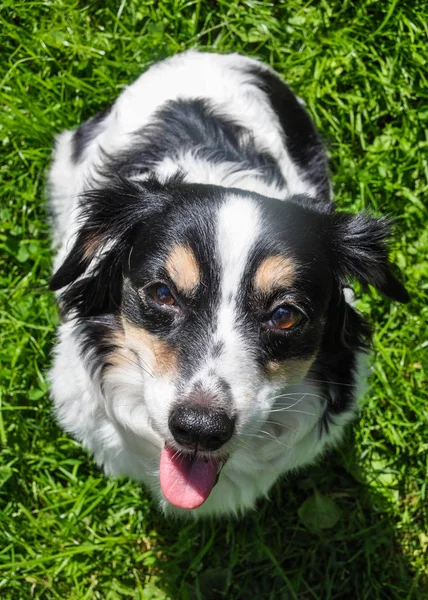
284,317
162,294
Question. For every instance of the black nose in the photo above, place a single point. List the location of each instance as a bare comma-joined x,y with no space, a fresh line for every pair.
201,427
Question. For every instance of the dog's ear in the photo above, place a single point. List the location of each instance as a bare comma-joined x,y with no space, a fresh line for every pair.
360,250
109,219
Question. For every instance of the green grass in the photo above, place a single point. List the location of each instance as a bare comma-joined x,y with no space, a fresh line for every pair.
67,532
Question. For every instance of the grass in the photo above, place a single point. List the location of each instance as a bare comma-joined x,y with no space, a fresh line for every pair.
67,532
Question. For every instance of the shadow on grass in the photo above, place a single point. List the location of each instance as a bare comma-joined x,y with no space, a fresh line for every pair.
270,554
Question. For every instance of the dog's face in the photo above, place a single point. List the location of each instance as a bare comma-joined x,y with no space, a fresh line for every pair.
212,303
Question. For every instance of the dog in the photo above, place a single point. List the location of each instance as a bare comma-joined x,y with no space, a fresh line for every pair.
208,342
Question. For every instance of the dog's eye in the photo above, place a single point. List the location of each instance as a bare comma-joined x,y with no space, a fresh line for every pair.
161,294
284,317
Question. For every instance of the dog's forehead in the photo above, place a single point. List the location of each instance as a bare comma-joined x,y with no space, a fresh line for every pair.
224,243
233,236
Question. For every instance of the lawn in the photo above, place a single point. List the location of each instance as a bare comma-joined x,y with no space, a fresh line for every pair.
356,525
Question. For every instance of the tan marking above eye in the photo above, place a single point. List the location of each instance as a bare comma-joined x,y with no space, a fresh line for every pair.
183,268
273,272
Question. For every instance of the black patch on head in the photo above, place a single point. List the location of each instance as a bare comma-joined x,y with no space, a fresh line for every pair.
110,218
193,125
301,138
296,233
86,133
190,222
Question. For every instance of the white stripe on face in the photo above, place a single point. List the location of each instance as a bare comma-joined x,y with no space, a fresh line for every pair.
239,226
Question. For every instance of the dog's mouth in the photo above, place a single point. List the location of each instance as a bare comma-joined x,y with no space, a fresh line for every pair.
188,479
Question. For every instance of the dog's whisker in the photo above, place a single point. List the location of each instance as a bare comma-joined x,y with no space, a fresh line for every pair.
289,409
258,437
243,443
275,423
137,364
301,412
291,405
147,369
303,394
329,381
178,454
286,406
275,439
283,409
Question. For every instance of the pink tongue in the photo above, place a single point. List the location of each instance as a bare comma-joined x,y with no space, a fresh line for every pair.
186,481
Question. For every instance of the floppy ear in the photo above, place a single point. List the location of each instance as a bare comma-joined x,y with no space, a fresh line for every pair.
92,270
360,247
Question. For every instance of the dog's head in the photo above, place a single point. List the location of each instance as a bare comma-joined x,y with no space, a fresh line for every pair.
200,305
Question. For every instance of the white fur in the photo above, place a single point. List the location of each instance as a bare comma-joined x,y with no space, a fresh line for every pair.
203,171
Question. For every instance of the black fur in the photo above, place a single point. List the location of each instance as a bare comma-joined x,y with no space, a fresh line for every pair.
193,125
360,248
301,138
97,340
346,334
110,215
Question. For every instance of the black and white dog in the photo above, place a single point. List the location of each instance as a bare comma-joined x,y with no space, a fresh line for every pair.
208,344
